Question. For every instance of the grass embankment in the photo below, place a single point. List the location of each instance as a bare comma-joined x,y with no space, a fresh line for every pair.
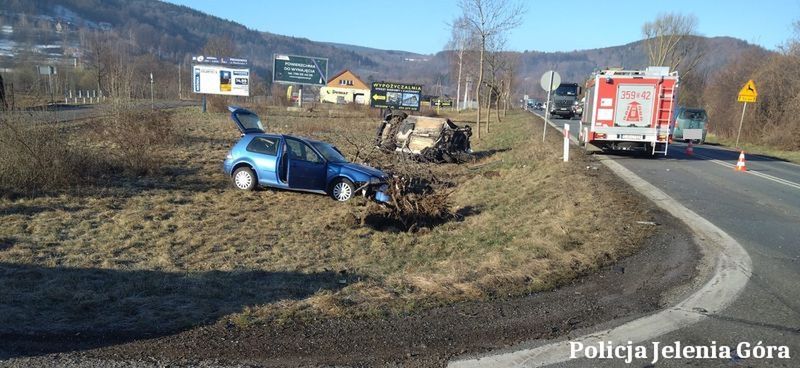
181,247
792,156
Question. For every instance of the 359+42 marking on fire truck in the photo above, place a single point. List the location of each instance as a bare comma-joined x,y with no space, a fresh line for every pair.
633,95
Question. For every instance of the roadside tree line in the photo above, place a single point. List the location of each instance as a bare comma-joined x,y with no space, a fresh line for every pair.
774,120
484,70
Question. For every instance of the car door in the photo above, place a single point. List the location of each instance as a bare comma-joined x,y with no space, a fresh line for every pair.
307,169
263,151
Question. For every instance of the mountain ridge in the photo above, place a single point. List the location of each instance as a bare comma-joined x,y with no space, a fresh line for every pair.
175,32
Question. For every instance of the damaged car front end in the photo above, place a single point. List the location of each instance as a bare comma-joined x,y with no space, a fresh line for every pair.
261,159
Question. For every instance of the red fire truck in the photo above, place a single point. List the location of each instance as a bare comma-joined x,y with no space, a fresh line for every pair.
629,110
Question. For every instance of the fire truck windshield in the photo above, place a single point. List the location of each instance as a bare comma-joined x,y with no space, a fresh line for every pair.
567,90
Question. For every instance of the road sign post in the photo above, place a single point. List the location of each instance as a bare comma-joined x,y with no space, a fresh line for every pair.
550,80
152,99
740,125
566,142
748,93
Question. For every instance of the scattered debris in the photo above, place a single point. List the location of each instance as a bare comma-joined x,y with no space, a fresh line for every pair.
419,200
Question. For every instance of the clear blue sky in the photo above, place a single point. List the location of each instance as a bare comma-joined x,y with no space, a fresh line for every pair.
422,25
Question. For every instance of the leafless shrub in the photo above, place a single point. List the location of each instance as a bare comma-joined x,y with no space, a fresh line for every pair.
361,149
217,104
35,157
134,135
278,93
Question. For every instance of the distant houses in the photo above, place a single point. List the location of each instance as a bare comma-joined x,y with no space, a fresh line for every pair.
344,88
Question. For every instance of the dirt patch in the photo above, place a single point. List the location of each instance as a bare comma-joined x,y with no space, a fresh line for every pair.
6,243
630,288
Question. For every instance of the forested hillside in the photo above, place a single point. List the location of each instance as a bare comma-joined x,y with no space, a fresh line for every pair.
152,36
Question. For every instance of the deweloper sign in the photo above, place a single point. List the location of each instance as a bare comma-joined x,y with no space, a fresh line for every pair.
292,69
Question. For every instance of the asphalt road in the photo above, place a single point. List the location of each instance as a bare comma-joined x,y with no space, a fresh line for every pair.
759,208
64,113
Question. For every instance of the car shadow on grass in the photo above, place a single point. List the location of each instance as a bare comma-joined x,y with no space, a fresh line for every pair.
58,309
480,155
169,178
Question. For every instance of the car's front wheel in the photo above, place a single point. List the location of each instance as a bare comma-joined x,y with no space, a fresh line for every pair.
342,190
244,178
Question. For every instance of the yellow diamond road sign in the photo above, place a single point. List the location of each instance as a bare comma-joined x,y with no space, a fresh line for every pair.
748,92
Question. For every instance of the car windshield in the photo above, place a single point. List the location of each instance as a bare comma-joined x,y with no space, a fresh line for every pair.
329,152
693,114
567,90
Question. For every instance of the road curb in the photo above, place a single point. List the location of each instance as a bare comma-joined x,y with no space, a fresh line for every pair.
731,271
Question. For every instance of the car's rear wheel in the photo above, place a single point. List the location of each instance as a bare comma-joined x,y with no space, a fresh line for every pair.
244,178
342,190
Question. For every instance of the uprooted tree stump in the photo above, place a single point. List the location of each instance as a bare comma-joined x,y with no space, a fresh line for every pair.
416,203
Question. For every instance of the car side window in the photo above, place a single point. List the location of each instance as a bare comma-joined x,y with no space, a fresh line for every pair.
301,151
265,145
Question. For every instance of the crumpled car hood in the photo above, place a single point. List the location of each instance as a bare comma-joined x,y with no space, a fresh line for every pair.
364,169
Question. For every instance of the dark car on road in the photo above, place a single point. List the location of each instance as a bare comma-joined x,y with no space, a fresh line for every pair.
295,163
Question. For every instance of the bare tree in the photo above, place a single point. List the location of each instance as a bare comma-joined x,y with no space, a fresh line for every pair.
489,18
461,40
792,46
110,57
495,70
512,64
671,41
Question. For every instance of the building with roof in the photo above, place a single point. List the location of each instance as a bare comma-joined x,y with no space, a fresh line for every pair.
345,87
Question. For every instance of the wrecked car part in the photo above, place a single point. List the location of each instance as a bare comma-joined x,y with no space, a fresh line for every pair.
431,139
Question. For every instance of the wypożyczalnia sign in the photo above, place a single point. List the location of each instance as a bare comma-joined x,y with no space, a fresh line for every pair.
396,96
293,69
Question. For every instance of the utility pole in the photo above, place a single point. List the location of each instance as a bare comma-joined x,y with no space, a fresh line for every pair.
180,91
152,100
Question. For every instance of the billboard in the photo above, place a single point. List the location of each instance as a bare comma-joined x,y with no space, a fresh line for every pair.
219,60
294,69
396,96
441,102
220,80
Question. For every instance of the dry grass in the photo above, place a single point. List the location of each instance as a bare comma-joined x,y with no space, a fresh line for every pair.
41,157
759,149
183,248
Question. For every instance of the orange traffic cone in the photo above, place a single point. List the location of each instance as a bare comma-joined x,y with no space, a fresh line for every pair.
689,149
740,164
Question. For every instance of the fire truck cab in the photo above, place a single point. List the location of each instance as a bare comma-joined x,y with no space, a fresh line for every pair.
629,110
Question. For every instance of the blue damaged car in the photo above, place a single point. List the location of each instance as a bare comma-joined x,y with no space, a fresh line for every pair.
295,163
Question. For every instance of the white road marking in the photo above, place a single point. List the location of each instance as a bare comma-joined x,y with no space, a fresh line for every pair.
756,173
732,270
